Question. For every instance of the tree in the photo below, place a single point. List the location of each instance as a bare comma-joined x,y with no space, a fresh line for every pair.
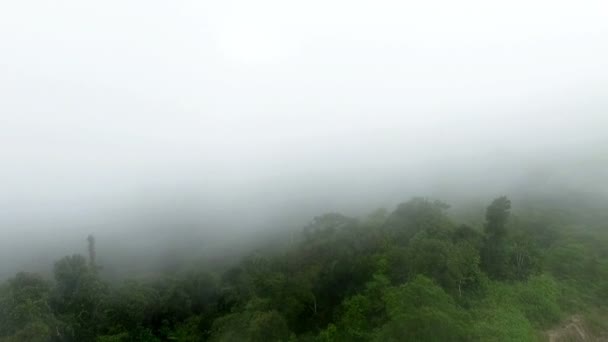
501,323
78,296
463,266
495,252
251,325
497,215
268,326
130,306
25,313
421,311
467,234
355,323
416,215
455,266
430,257
524,257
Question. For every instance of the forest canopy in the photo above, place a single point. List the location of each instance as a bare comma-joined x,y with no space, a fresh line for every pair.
413,274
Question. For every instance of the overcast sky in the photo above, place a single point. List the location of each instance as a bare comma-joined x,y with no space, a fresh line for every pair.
103,103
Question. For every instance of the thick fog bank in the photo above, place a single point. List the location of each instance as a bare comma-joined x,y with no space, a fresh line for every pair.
167,230
189,129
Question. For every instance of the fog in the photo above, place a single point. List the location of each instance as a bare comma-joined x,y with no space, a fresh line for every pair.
164,125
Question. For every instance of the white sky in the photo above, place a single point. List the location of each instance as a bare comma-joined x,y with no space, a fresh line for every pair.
103,99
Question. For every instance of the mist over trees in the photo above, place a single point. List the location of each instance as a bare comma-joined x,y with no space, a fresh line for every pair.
313,171
410,274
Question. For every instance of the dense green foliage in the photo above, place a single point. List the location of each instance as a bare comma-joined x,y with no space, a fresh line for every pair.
409,275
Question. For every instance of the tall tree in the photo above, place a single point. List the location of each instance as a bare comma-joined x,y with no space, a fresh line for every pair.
92,254
495,252
497,215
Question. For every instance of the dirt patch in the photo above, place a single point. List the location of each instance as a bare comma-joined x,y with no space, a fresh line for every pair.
573,329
